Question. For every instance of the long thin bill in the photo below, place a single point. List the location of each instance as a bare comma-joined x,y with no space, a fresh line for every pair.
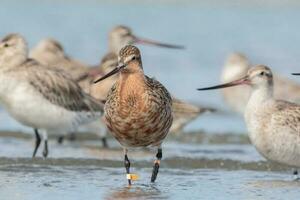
112,72
296,74
156,43
241,81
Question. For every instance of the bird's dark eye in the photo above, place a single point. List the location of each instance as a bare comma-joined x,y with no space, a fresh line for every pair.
6,45
133,58
262,73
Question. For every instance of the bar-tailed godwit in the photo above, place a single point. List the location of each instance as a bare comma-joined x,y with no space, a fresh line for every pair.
183,112
39,96
273,125
138,109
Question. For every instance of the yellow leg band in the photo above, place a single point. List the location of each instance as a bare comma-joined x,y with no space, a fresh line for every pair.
132,177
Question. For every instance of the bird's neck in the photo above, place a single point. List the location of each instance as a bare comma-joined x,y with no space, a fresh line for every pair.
257,113
259,96
131,82
132,89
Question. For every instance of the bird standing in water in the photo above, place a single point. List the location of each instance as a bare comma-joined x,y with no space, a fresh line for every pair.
39,96
138,109
273,125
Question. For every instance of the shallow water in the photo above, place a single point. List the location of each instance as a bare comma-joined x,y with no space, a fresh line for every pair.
84,170
216,162
35,182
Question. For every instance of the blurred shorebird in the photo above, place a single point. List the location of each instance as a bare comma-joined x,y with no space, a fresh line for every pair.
39,96
138,109
119,37
237,66
100,91
184,113
273,125
51,53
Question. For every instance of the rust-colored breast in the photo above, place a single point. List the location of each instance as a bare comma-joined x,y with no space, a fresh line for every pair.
139,120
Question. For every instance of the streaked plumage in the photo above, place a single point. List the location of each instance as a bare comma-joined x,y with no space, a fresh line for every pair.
138,121
38,96
183,112
138,109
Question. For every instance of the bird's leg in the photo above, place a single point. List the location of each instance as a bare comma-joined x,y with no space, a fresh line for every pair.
45,151
72,136
104,142
156,164
45,138
60,139
127,166
295,173
103,134
37,142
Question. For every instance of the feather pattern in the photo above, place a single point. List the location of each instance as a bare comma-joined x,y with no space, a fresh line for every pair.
140,122
57,87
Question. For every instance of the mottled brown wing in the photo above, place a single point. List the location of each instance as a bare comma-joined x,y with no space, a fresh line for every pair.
111,99
60,90
161,91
